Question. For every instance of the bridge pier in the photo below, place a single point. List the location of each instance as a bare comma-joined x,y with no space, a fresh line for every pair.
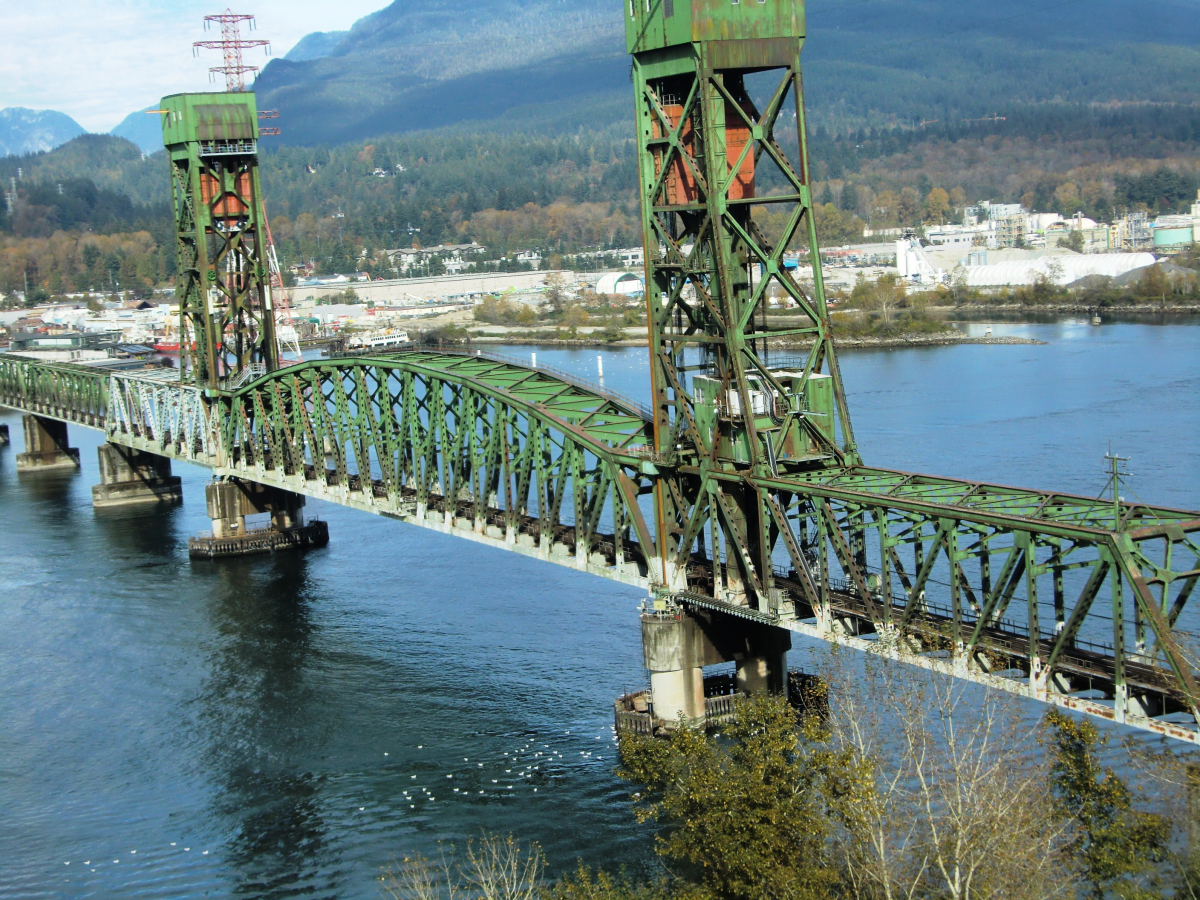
677,645
130,476
230,500
46,446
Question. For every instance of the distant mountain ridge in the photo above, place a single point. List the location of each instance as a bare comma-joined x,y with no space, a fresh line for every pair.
142,128
420,64
34,130
316,45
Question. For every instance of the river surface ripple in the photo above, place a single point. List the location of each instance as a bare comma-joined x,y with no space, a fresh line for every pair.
287,726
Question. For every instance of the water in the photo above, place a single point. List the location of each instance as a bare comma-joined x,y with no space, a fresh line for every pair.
253,728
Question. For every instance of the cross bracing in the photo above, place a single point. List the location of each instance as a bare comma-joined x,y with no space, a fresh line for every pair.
1072,600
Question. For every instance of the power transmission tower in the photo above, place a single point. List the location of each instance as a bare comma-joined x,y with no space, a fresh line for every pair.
231,45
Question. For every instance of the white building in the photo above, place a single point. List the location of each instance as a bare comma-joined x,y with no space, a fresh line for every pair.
914,264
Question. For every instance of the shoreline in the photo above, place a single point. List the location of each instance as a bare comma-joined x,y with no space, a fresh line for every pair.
1068,308
939,339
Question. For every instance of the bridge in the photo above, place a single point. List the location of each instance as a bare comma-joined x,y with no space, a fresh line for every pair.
737,498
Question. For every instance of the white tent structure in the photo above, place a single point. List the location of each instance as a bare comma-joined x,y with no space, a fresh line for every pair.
619,283
1057,269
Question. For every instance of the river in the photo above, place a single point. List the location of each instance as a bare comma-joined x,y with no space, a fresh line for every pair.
288,726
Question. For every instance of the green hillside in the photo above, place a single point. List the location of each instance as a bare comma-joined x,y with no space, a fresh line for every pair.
428,63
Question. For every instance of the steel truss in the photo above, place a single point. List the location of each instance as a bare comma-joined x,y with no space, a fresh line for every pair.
477,447
1066,599
742,490
764,506
227,325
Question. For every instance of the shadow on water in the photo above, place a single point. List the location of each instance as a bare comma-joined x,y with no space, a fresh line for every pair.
151,530
258,719
49,493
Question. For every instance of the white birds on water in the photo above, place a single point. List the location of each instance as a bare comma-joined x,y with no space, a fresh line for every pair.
544,754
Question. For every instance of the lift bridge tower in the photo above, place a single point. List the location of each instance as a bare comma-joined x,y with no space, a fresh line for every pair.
767,519
725,193
227,325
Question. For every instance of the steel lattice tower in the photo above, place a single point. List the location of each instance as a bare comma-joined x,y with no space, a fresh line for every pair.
231,45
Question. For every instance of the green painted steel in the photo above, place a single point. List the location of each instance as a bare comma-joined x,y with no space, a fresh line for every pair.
725,411
741,489
1048,594
226,324
763,506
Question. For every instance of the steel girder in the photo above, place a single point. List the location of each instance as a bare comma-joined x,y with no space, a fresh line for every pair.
477,447
1067,599
226,323
764,507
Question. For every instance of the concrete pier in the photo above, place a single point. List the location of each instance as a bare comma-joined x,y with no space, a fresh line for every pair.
231,500
46,446
133,477
677,645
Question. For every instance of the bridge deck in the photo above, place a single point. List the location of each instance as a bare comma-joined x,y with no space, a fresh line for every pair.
533,462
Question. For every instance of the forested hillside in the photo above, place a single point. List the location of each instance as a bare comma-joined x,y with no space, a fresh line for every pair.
428,63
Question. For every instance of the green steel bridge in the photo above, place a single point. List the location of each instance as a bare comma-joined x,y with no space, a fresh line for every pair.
518,458
738,497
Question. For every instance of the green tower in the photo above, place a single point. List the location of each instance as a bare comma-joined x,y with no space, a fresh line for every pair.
226,322
725,196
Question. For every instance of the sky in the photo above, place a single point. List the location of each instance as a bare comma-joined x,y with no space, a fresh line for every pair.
99,60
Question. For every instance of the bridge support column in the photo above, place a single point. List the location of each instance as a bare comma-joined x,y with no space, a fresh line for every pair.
674,649
132,476
46,447
677,645
231,500
762,667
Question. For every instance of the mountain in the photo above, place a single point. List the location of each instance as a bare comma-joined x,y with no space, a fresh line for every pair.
420,64
317,45
110,163
32,130
430,63
143,129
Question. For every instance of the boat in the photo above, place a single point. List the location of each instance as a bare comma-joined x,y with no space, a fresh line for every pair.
377,340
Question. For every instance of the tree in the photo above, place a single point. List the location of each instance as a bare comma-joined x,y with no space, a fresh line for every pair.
849,198
908,207
1114,844
575,317
937,205
960,286
555,292
883,295
746,817
949,796
1072,240
494,868
1154,283
1066,198
836,227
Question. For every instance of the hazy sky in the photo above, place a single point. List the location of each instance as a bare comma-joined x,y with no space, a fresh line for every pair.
98,60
